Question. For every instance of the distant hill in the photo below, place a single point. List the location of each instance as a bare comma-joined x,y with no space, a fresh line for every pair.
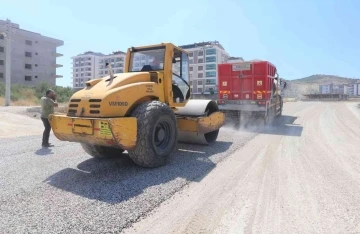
310,84
325,79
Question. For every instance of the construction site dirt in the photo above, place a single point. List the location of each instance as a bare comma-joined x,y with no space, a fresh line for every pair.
299,175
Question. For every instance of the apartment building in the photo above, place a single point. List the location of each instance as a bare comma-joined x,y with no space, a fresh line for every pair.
91,65
85,67
33,56
203,60
117,61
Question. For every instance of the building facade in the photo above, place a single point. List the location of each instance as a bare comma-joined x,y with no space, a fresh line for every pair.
91,65
203,60
85,67
117,61
33,56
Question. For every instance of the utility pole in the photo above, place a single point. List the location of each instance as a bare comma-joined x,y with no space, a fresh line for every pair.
8,64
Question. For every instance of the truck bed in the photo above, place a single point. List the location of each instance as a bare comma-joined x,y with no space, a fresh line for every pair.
246,81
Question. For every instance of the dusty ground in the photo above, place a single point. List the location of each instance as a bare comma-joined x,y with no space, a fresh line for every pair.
302,176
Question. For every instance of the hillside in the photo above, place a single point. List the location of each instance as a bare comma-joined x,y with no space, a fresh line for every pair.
325,79
311,84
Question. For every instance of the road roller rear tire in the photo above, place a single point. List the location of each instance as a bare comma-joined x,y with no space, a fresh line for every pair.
157,134
101,152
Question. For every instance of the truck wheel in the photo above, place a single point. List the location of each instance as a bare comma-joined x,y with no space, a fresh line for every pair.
157,134
98,151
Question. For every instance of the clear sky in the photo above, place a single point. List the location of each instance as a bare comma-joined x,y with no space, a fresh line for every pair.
301,37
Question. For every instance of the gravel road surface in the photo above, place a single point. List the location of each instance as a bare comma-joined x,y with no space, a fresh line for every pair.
301,176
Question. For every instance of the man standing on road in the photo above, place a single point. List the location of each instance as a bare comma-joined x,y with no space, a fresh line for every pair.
48,102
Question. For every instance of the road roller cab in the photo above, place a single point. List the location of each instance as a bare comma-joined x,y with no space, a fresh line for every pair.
146,110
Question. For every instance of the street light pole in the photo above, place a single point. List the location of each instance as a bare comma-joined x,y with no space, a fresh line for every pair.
8,64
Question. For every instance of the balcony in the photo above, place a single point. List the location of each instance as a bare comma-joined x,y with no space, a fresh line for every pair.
57,54
58,76
57,65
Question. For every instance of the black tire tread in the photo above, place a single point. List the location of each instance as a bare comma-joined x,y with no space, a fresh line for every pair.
97,151
147,114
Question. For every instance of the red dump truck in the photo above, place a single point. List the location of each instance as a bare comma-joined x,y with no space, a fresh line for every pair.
249,91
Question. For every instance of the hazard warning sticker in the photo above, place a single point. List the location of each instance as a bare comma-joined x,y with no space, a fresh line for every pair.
259,83
259,96
224,83
104,128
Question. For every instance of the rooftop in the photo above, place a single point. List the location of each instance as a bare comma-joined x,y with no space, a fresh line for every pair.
90,53
236,58
201,44
4,23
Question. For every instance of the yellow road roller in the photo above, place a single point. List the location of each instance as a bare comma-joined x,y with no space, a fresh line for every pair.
146,110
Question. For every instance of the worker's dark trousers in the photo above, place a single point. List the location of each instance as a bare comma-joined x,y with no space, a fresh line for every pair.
46,134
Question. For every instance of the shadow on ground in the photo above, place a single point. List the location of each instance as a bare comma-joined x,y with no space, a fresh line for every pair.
117,180
44,151
283,125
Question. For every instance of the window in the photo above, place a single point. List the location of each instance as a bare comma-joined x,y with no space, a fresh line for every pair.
27,42
191,61
76,75
1,49
200,68
36,76
36,66
191,69
210,81
200,82
1,75
200,90
210,51
191,54
35,54
119,59
201,60
82,69
1,37
200,53
211,74
211,59
155,59
28,78
180,76
28,54
201,75
27,66
81,74
112,60
89,59
1,62
210,66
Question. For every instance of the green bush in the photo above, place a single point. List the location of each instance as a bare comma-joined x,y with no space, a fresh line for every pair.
22,92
